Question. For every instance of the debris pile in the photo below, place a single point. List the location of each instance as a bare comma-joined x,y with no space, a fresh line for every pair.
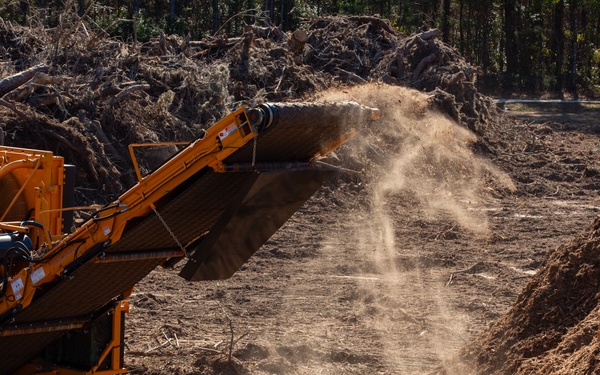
91,96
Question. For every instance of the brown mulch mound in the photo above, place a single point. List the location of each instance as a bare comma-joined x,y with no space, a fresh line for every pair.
553,327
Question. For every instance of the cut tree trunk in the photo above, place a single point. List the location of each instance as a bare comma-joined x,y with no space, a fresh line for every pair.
297,40
247,43
10,83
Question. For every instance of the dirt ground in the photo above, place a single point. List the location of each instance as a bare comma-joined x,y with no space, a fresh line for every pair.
390,270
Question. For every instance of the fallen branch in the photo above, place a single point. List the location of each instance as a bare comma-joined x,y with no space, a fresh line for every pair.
168,341
39,80
377,22
239,338
210,350
231,341
42,100
280,79
14,108
268,32
127,91
472,269
351,75
167,337
10,83
430,34
157,347
215,43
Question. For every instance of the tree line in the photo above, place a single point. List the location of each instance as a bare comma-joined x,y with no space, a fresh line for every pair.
530,45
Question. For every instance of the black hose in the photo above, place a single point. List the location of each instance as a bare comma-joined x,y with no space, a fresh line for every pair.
18,252
4,278
96,219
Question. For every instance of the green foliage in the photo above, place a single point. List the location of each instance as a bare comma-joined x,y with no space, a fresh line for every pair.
146,28
11,10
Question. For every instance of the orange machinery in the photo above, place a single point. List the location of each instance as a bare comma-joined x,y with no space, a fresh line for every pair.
213,204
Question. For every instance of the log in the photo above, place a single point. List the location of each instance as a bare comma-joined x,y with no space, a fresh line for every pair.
38,80
430,34
297,40
127,91
43,100
14,108
268,32
215,43
10,83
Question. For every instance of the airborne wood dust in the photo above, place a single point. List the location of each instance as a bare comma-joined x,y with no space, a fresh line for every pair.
336,291
415,157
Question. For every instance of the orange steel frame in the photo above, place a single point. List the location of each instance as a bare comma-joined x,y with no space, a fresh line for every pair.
41,174
137,201
113,348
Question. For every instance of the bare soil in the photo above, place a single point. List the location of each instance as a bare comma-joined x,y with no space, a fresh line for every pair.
392,271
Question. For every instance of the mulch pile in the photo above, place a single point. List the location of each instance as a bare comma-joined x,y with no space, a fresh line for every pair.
553,328
90,96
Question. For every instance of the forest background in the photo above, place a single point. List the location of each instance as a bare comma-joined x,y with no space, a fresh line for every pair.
521,46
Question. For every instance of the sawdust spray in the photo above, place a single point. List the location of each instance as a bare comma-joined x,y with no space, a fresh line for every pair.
417,163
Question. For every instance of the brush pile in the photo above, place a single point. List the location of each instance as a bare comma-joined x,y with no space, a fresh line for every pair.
86,96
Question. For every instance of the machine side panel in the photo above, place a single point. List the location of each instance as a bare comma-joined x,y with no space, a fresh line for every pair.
189,213
87,290
16,350
273,199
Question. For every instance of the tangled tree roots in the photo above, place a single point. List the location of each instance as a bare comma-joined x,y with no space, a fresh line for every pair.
90,96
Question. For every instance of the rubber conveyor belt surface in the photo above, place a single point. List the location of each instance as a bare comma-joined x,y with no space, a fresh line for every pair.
295,133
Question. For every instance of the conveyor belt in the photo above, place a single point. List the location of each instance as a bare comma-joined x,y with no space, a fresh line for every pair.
239,210
299,130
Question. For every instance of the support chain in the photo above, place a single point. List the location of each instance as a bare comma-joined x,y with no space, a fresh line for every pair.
170,231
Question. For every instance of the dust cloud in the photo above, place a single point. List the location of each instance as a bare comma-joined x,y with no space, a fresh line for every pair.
420,153
418,165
